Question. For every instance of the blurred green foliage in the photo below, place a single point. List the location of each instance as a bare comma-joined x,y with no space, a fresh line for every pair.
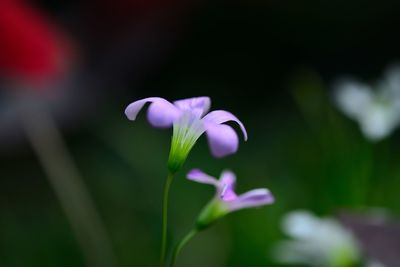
300,147
310,156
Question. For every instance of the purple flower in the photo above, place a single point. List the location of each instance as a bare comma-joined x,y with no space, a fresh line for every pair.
190,119
226,200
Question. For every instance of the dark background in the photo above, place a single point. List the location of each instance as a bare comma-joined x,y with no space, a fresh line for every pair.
271,63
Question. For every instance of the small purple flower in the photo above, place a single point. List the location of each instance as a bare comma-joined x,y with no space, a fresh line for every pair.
226,200
190,119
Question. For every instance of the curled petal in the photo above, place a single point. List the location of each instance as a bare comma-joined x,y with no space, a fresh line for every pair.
222,139
197,105
227,186
253,198
222,116
161,113
201,177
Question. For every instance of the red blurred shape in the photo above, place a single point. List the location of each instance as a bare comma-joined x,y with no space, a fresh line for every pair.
31,49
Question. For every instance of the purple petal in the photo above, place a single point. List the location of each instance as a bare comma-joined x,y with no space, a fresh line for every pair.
201,177
222,116
227,186
222,139
161,113
197,105
253,198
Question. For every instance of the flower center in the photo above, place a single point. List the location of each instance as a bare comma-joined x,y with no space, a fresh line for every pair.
186,131
227,193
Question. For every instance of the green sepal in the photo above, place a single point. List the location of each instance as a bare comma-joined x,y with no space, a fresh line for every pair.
214,210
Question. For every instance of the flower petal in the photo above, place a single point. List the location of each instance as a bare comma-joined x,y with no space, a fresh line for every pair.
197,105
222,116
253,198
161,112
300,224
222,139
352,97
392,80
199,176
227,186
298,252
378,121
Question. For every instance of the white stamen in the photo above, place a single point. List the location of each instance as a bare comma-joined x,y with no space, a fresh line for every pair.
224,189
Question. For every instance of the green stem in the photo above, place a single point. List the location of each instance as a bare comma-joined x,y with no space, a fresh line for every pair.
48,144
180,245
165,218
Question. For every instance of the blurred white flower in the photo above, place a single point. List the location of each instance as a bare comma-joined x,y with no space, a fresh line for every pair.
374,263
319,242
377,110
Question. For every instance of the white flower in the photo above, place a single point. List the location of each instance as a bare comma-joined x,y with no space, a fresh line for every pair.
377,110
319,242
375,263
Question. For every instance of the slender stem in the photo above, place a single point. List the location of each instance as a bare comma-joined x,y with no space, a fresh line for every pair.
64,177
180,245
165,218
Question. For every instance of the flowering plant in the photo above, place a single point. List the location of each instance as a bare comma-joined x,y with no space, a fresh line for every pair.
376,107
224,202
190,119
